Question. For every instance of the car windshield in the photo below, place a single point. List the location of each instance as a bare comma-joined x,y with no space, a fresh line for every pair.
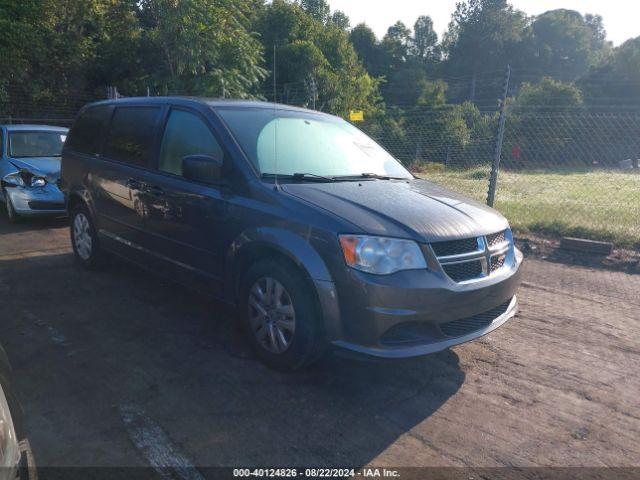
36,144
288,142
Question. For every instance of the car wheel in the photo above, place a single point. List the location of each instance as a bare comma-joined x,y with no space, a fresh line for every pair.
280,315
84,238
11,212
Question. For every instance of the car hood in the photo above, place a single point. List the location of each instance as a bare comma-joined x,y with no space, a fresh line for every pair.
415,208
48,167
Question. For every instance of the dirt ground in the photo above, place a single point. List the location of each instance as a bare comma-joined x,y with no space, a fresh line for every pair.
119,368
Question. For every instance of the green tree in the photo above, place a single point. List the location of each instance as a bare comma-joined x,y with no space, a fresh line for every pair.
318,9
316,62
389,128
122,59
366,45
548,94
340,20
18,20
616,81
544,123
565,44
432,93
458,136
409,86
425,40
484,35
48,46
204,46
395,46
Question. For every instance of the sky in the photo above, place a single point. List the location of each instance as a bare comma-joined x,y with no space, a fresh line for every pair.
621,17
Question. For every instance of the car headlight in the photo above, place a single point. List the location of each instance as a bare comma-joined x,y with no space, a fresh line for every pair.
9,450
381,255
25,178
14,179
38,181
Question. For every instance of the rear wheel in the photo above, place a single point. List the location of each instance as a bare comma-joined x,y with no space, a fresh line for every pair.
11,212
84,238
280,316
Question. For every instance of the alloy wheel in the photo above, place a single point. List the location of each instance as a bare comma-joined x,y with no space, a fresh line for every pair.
82,236
271,315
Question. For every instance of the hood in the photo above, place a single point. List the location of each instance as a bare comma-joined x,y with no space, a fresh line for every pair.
416,208
48,167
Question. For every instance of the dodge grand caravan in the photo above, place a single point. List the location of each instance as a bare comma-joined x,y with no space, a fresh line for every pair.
314,232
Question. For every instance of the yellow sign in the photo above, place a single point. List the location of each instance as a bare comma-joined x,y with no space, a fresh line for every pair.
356,116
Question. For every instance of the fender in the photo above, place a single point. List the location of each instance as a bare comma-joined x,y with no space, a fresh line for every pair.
285,242
298,250
83,195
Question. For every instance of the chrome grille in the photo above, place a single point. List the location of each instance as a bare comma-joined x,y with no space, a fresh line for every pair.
474,258
460,272
455,247
458,328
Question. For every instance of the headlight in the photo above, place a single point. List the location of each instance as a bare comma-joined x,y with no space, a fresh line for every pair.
381,255
25,178
14,179
38,181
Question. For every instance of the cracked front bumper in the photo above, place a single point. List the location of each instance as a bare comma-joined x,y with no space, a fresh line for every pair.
47,200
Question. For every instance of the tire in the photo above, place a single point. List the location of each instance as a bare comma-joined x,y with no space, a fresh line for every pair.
12,216
84,237
305,340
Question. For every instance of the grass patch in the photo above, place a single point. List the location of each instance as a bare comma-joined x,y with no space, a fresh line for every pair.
595,204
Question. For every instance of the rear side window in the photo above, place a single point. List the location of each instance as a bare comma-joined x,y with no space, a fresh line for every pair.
185,134
86,134
130,138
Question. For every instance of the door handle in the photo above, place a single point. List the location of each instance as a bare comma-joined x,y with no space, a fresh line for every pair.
134,184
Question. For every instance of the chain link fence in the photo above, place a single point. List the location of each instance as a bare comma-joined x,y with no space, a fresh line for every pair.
562,170
563,173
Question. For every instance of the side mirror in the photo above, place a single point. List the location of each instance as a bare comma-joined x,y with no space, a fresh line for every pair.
202,168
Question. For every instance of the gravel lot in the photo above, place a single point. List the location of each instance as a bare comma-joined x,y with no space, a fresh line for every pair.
119,368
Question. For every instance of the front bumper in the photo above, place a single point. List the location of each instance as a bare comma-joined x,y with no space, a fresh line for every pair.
47,200
430,343
416,313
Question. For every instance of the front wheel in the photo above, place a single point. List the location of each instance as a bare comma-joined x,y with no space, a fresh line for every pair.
280,315
84,238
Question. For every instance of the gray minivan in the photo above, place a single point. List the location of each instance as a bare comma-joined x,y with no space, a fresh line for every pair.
314,232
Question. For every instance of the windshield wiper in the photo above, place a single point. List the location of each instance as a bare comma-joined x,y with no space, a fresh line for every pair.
309,177
380,177
312,177
375,176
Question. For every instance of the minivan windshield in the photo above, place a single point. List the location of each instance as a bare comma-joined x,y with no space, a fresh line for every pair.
36,144
289,142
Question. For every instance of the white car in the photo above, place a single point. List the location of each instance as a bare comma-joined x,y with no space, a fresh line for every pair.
16,458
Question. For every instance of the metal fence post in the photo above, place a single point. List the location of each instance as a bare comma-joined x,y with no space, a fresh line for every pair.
493,179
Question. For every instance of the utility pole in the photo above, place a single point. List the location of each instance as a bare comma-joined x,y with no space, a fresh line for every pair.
493,180
472,94
275,90
313,87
